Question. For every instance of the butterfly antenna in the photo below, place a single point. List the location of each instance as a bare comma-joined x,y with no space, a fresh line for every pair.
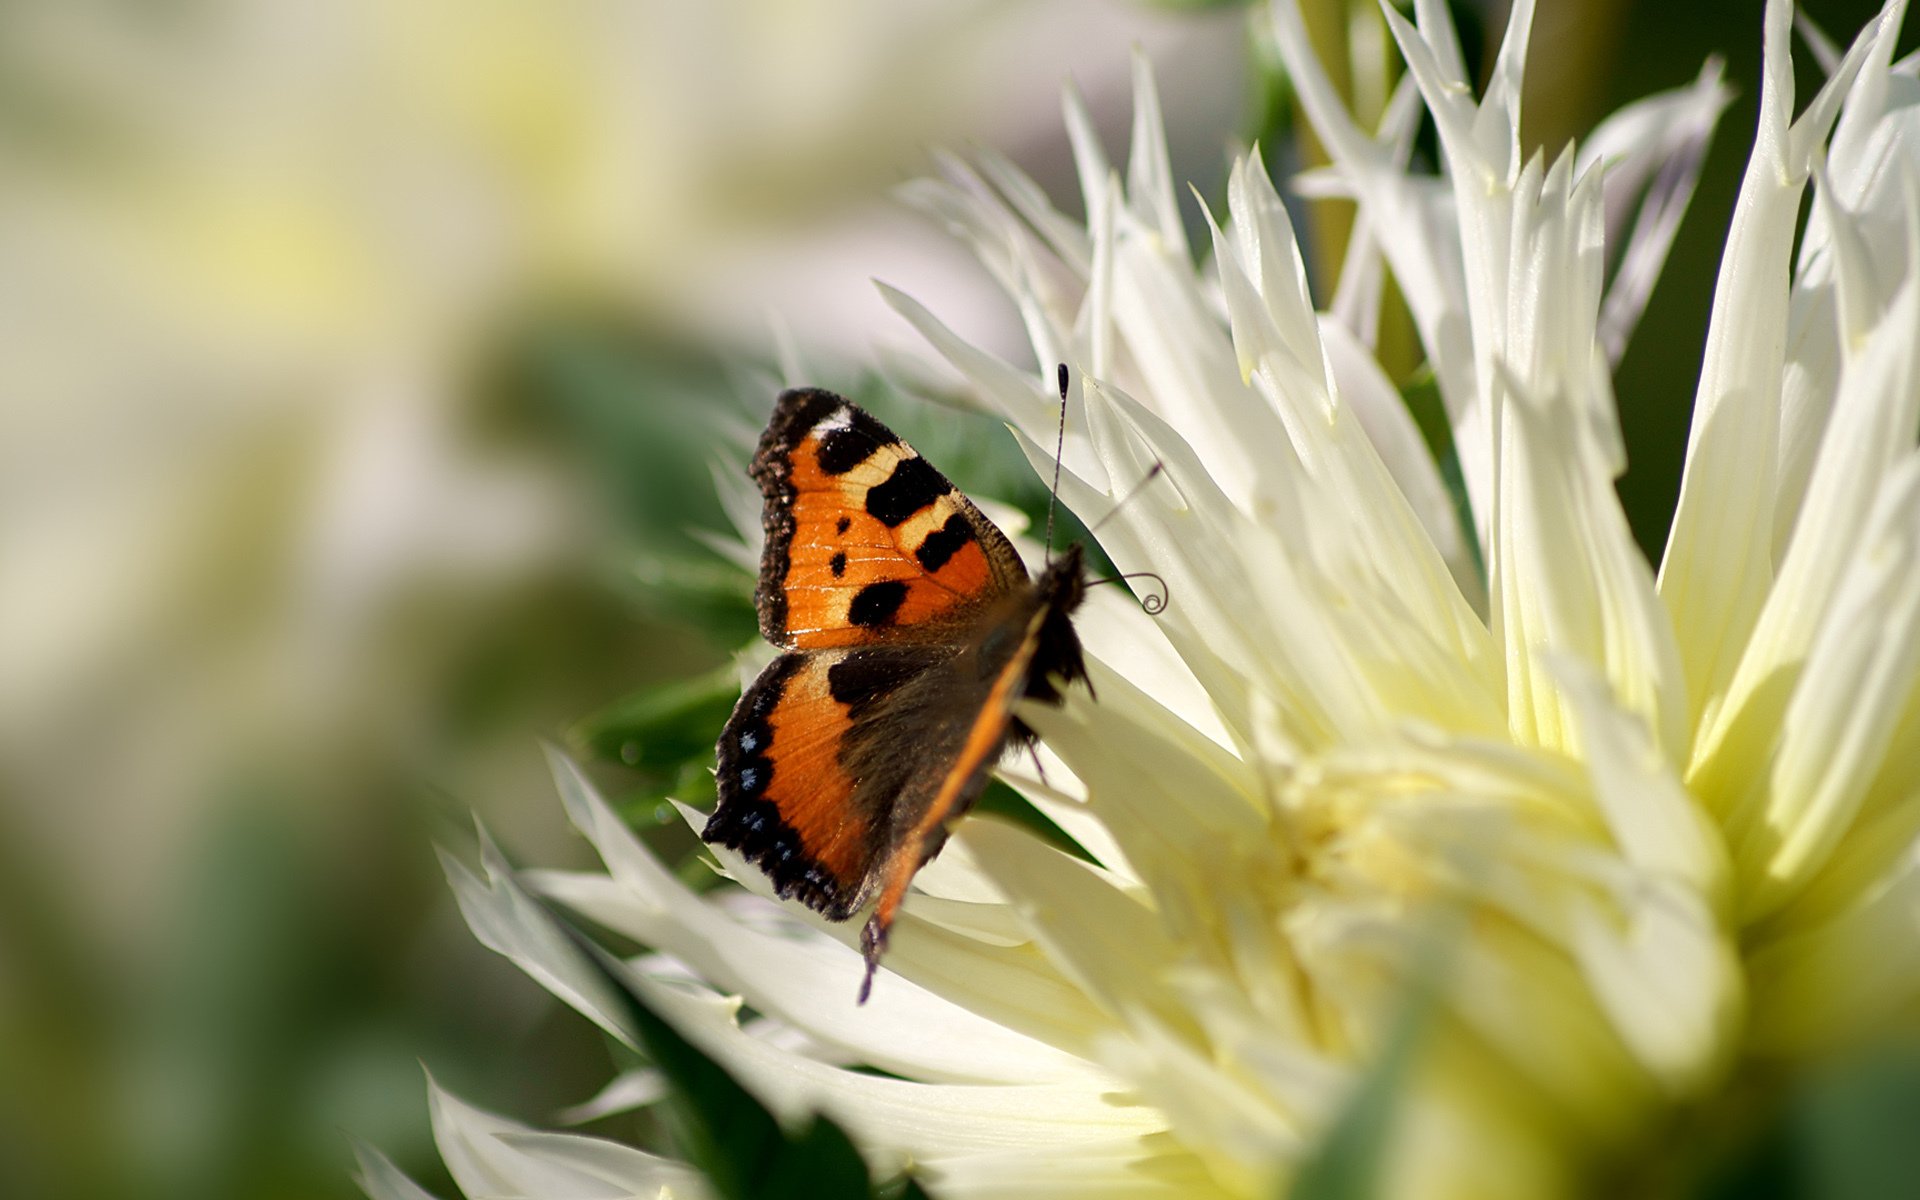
1153,603
1059,451
1153,472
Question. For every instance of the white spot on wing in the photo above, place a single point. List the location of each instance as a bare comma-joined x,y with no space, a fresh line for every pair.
839,418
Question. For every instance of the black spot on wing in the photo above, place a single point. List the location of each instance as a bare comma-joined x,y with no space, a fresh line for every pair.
913,485
844,448
838,563
865,677
944,542
875,604
843,524
795,414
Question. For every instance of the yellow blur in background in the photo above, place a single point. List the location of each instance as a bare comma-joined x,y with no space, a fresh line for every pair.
351,356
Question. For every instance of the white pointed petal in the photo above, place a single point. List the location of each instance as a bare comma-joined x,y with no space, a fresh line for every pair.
1074,817
1809,386
473,1145
1652,150
1115,628
624,1093
1150,186
1270,256
1367,535
1254,334
1165,530
1435,20
1096,312
1171,799
1667,977
807,982
1880,384
1568,579
1871,165
1860,677
1011,392
1419,235
1497,123
1011,986
1065,237
1186,360
509,922
1260,601
1008,248
1858,296
1450,99
1860,135
1365,388
898,1116
1809,133
381,1180
628,1171
1718,564
1105,940
1357,299
1089,156
1424,230
960,879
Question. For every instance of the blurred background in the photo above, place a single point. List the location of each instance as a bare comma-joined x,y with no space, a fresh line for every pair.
363,369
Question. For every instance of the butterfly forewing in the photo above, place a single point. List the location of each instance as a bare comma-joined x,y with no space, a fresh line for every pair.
865,540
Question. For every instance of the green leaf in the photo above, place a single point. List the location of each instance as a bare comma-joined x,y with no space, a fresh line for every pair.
660,728
1002,801
725,1131
1845,1132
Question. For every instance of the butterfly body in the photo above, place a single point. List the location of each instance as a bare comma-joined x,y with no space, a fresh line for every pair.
911,631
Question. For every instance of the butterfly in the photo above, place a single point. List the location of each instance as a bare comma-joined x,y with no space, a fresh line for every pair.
911,630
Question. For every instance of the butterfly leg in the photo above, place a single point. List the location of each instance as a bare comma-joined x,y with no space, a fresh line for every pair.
873,943
1033,751
873,938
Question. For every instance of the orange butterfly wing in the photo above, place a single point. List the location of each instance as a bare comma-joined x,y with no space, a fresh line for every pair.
786,802
914,631
865,540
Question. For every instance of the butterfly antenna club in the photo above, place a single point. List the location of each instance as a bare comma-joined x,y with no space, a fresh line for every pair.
1059,451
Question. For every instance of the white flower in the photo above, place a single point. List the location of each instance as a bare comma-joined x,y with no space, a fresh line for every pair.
1634,832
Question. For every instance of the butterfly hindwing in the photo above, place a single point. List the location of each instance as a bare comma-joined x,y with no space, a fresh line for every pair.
864,538
822,765
786,799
